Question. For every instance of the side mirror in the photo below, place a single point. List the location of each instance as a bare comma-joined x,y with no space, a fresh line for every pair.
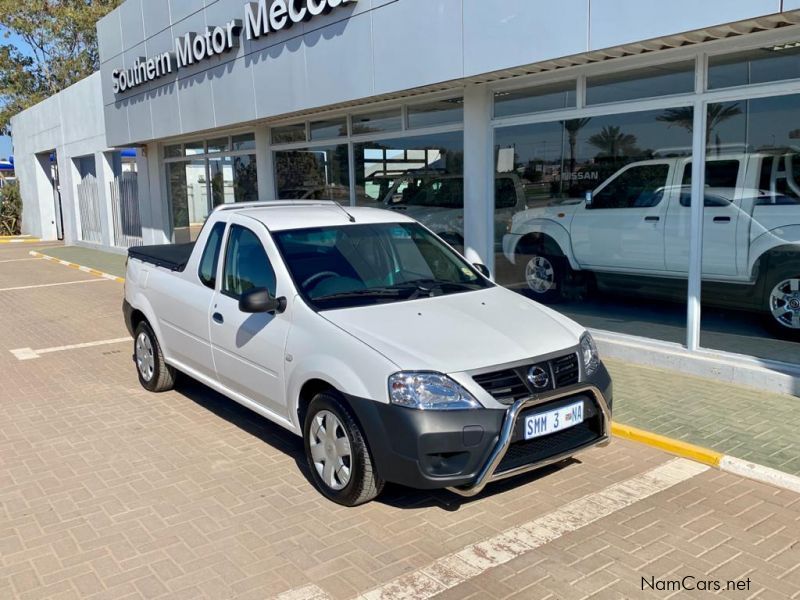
260,300
483,270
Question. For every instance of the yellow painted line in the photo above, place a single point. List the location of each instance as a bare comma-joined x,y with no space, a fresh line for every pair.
19,241
677,447
78,267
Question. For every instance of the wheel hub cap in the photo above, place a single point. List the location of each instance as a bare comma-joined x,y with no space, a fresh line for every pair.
539,274
330,450
784,303
145,360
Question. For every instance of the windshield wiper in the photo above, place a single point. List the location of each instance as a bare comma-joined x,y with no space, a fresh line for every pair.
384,292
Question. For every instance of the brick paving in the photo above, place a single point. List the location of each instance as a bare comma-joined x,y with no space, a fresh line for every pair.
107,491
744,422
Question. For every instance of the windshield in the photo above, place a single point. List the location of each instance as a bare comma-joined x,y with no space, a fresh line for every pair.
416,190
360,265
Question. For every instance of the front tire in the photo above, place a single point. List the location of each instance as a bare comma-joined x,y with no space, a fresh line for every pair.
337,453
782,306
542,276
155,374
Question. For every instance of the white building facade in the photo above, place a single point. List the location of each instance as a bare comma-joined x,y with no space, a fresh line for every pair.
567,147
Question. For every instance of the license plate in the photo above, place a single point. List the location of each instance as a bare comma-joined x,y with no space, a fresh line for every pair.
545,423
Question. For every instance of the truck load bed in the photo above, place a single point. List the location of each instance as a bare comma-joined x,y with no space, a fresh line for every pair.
170,256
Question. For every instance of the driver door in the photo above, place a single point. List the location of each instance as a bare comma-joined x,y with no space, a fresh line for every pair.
249,349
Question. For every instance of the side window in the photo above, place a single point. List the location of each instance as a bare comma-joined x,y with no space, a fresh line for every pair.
638,187
505,193
210,258
246,264
721,177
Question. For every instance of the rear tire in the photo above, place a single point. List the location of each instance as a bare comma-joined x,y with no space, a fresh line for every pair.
155,374
337,453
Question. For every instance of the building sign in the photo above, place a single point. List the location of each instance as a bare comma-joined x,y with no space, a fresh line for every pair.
260,19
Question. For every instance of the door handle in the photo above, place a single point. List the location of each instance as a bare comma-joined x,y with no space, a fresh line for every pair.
722,219
652,219
218,318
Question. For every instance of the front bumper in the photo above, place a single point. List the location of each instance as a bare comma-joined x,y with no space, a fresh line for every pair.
465,450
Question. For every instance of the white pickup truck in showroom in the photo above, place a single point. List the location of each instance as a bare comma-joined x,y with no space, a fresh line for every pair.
631,235
363,332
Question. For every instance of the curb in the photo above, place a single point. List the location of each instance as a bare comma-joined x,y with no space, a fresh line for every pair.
723,462
17,240
77,267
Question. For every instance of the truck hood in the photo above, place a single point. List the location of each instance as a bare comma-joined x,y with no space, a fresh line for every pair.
459,332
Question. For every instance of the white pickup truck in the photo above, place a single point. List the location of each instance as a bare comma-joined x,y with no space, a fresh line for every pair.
360,330
632,234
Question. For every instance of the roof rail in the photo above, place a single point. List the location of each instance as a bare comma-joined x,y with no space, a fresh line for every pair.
273,204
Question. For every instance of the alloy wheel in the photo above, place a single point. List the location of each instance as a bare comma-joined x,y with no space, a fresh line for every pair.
784,303
540,274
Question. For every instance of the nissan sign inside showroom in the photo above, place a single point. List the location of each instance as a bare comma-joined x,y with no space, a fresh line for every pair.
260,19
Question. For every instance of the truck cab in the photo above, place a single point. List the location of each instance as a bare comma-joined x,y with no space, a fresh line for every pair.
636,224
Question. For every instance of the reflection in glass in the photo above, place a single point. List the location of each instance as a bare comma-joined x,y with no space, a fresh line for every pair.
554,96
245,141
440,112
582,210
420,176
233,179
649,82
319,173
760,65
751,218
194,148
188,195
331,128
385,120
218,145
289,133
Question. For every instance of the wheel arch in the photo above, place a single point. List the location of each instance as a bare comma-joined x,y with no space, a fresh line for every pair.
549,237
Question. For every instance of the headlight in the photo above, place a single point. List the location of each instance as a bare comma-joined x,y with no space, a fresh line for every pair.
589,354
429,391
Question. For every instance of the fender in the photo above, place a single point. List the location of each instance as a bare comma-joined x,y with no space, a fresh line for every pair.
557,232
332,370
785,238
142,304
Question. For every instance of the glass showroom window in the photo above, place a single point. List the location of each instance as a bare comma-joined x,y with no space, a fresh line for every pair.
203,175
751,228
588,214
318,173
421,176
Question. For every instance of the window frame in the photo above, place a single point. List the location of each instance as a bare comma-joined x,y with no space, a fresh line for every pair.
224,266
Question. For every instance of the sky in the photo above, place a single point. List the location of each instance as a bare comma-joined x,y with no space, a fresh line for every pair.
5,141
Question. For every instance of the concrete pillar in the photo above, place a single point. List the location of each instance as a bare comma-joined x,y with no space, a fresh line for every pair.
104,168
68,180
478,176
153,200
265,169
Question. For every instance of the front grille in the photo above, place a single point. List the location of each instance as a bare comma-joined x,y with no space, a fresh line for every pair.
504,386
524,453
565,370
509,385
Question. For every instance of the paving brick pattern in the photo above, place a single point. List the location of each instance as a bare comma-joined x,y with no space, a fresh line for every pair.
746,423
107,491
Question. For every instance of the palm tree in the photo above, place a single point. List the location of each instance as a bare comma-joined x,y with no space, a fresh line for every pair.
573,126
684,117
614,144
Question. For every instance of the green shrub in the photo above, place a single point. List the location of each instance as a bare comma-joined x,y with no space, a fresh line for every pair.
10,209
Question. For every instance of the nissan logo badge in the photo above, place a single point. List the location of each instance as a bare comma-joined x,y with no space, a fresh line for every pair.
539,378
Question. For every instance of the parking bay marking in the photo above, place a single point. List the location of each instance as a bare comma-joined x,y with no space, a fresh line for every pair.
459,567
10,260
45,285
30,354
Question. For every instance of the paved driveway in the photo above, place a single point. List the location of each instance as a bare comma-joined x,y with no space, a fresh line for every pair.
107,491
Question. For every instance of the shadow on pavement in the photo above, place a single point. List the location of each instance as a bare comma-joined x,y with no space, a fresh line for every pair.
284,441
